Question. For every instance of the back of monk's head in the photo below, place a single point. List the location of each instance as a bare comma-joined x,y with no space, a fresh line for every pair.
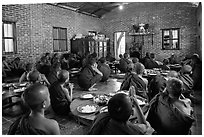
33,76
125,55
139,68
37,96
135,60
63,76
120,107
186,69
102,60
92,58
174,87
173,74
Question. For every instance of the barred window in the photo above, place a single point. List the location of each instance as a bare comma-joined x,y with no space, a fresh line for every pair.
170,39
59,39
8,37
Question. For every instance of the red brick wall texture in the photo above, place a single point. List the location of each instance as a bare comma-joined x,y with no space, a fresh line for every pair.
34,23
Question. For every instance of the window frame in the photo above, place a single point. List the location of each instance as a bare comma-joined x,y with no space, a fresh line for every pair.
171,39
60,39
14,38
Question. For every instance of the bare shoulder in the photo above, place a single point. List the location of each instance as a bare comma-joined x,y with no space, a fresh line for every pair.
52,126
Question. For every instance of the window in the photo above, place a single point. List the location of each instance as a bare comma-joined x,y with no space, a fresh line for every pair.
8,37
59,39
170,39
119,43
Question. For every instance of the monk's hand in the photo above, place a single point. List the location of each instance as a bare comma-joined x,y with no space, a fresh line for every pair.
94,67
71,86
134,100
132,92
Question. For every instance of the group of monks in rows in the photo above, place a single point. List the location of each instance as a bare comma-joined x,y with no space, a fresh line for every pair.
168,98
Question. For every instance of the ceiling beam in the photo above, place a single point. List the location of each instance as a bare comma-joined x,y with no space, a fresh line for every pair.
73,9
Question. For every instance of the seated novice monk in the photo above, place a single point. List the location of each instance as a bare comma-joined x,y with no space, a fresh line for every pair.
165,63
35,76
184,76
55,68
23,77
90,74
37,98
104,68
170,113
158,83
135,79
116,120
151,63
124,62
61,94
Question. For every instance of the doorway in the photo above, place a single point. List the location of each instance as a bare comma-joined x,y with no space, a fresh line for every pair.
119,43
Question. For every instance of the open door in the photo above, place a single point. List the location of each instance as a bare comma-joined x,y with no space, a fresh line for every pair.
119,43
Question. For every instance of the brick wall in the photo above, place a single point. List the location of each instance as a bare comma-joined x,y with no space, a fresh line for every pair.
199,30
35,22
21,15
159,16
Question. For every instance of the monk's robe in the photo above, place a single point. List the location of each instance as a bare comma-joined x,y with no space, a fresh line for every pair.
167,119
156,85
124,64
52,77
88,77
105,69
59,102
132,79
187,83
105,125
22,127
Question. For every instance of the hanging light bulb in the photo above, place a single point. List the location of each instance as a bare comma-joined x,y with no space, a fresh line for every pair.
121,7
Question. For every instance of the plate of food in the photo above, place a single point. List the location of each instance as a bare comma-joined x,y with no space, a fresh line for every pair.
19,89
73,69
88,108
101,99
86,96
6,85
93,89
104,109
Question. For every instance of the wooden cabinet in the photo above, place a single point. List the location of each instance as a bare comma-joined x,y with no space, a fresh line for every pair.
89,45
79,46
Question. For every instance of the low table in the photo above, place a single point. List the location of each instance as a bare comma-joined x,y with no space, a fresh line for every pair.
86,118
7,95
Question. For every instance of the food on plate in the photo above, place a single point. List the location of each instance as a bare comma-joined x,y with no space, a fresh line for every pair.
101,99
87,96
87,109
104,109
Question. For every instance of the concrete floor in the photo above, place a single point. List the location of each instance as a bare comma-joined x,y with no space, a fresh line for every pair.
72,127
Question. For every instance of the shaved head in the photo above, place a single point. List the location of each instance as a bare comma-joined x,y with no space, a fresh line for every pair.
174,87
120,107
63,75
186,69
173,74
33,76
35,95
